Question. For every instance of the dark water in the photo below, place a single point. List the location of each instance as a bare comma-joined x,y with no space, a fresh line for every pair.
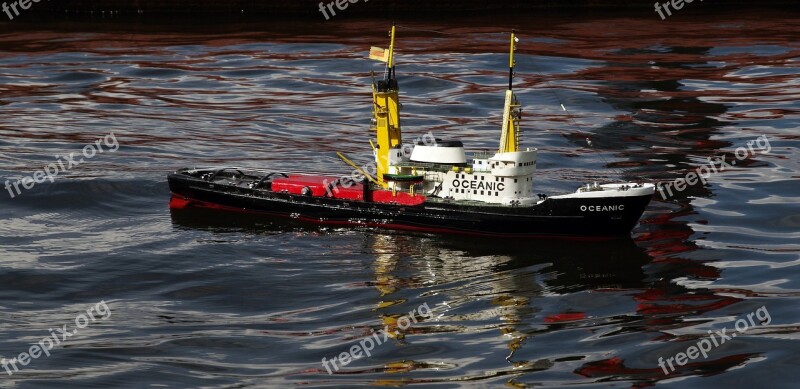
221,301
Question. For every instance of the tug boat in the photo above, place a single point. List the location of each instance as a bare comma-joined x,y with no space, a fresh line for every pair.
429,186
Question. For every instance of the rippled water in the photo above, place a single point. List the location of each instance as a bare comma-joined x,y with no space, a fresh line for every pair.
219,300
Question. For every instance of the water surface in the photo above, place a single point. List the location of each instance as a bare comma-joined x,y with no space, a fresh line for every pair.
216,300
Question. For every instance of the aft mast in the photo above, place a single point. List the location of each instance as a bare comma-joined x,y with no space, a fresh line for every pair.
509,138
386,113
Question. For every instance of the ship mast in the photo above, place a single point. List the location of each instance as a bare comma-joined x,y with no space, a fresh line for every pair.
386,112
509,137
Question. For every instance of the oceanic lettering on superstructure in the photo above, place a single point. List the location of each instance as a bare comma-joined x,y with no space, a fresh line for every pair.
479,185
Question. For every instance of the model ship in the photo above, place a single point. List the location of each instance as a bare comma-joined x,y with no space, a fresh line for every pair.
434,187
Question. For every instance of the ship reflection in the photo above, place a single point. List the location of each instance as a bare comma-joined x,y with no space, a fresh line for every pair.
571,265
517,279
518,275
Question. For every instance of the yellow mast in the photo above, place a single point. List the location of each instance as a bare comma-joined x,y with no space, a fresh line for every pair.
509,137
386,115
391,49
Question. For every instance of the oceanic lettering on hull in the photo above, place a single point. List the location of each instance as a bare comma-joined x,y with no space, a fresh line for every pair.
602,208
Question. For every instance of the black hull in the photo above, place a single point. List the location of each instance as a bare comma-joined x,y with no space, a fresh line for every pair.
553,217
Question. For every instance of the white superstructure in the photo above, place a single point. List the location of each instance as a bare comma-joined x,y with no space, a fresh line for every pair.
442,170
